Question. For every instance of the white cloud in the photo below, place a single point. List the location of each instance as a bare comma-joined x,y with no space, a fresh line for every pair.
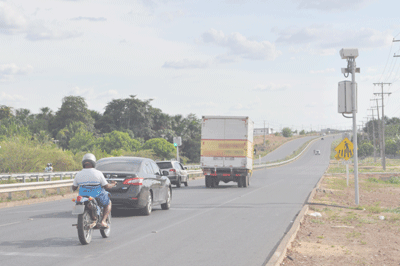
186,64
311,105
37,31
272,87
327,37
241,46
8,71
333,5
308,48
13,69
245,107
171,16
203,105
11,19
101,19
107,95
328,70
92,94
4,97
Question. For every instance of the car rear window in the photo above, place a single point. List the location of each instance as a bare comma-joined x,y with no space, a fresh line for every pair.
164,165
132,166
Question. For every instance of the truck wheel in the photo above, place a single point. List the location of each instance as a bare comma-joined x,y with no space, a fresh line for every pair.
248,180
244,181
215,182
240,183
208,179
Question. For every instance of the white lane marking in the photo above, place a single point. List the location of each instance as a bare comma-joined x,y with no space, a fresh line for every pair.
187,219
30,254
9,224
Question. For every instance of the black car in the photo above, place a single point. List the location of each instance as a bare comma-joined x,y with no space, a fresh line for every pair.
140,183
177,172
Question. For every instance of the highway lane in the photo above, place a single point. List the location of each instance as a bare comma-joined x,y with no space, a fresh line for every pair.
222,226
285,150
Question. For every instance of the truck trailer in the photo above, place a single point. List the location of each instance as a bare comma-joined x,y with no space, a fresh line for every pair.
227,149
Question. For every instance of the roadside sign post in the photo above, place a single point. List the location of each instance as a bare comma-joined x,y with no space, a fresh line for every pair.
177,143
345,150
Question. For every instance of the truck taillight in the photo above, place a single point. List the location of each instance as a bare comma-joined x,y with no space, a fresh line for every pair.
79,198
172,170
136,181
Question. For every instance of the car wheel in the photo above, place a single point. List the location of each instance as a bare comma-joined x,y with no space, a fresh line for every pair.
186,182
149,206
167,204
178,183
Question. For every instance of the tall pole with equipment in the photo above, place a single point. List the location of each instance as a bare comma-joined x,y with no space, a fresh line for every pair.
347,103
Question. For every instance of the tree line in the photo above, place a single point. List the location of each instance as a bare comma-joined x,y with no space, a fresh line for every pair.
130,127
373,131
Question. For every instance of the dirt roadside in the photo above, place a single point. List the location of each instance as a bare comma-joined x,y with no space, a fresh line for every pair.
335,231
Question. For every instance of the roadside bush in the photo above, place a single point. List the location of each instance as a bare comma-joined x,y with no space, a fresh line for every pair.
391,147
22,155
366,149
161,147
287,132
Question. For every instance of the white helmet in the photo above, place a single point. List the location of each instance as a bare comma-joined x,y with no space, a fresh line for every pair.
89,157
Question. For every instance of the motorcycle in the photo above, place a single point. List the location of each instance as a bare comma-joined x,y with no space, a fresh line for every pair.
90,214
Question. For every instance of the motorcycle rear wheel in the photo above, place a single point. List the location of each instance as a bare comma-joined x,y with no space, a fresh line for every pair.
106,232
84,230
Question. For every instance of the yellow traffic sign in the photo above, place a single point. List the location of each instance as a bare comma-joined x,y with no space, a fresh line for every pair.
345,149
337,156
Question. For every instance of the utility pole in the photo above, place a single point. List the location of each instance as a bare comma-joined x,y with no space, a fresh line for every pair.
373,132
383,122
379,129
366,127
264,132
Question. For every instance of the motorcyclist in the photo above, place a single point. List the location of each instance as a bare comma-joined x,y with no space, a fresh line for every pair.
49,168
91,176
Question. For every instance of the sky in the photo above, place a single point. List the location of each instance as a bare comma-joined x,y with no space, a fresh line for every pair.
275,61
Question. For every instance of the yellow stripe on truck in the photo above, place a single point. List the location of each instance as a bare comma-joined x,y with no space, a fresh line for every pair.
226,148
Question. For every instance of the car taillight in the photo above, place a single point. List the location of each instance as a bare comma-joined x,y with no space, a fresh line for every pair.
172,170
79,198
136,181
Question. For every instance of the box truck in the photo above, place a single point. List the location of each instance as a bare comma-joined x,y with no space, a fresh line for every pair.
227,149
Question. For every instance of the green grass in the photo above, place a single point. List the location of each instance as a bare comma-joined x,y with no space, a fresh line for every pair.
374,209
337,183
353,234
316,221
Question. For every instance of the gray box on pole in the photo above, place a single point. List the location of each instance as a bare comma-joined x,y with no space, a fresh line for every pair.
345,101
178,141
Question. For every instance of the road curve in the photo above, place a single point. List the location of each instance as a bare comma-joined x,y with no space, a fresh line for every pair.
222,226
285,150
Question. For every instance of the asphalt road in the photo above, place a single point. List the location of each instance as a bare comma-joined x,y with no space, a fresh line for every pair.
222,226
284,150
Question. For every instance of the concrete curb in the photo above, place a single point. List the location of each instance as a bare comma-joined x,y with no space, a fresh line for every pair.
280,253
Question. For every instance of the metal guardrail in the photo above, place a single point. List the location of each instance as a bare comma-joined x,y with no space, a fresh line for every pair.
284,162
37,176
17,187
49,176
